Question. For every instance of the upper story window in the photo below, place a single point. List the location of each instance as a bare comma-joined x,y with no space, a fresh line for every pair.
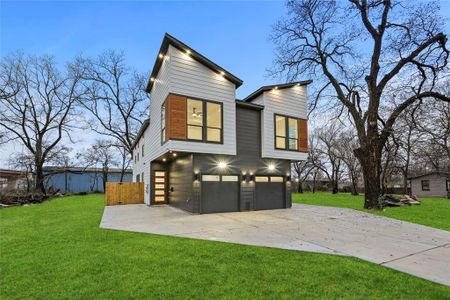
143,150
163,122
204,121
286,133
448,185
425,185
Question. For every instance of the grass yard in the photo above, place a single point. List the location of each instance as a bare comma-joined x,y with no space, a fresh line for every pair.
433,212
56,250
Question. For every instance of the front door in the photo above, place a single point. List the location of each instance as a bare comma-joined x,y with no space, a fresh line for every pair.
159,194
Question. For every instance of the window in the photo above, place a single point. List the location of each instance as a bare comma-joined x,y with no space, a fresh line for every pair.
210,178
195,120
286,133
137,178
262,178
425,185
213,122
201,113
142,151
276,179
448,185
142,177
232,178
280,132
293,133
163,123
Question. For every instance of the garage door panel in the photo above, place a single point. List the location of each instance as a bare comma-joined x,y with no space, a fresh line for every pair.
220,196
269,195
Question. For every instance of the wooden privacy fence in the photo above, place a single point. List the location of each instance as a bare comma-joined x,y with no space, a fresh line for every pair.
124,193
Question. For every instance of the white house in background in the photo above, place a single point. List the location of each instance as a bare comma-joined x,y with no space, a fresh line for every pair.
203,151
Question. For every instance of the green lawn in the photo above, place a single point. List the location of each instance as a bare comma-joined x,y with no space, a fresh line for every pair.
56,250
434,212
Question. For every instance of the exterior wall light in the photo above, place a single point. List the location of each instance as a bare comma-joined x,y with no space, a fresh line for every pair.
222,165
271,167
196,176
164,159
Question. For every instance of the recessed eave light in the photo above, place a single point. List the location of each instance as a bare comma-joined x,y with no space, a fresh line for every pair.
152,79
161,55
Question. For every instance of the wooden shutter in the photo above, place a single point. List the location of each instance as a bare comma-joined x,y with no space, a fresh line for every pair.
176,117
303,135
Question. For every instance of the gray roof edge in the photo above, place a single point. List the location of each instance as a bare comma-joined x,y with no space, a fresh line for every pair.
170,40
279,86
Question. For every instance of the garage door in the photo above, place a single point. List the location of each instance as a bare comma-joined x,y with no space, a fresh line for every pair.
220,193
269,192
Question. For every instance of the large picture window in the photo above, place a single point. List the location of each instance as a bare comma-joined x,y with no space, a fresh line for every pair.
286,133
201,113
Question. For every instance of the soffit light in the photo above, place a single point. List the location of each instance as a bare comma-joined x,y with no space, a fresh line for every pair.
222,73
152,79
164,159
222,164
188,51
174,154
271,167
161,55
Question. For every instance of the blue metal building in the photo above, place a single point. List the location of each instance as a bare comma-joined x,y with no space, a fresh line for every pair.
77,180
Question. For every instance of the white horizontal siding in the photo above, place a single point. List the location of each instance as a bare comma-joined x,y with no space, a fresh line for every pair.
291,102
190,78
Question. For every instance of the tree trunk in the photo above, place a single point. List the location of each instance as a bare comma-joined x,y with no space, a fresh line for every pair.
39,179
354,186
372,189
335,187
299,187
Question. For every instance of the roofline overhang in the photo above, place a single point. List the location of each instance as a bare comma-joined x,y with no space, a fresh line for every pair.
249,105
141,132
170,40
273,86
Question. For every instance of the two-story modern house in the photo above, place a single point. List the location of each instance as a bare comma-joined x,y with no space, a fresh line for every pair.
204,151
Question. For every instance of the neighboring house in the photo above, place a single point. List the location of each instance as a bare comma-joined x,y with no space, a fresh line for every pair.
77,180
12,180
433,184
204,151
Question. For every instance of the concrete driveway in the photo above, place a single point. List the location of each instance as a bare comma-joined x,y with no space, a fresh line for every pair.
415,249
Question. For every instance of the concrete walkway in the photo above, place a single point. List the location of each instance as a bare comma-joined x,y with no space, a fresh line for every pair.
415,249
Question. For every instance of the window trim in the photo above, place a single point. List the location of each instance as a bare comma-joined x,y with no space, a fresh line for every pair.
204,121
422,184
286,137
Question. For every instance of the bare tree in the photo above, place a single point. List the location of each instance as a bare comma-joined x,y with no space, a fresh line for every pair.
329,40
40,112
347,141
101,155
115,97
331,164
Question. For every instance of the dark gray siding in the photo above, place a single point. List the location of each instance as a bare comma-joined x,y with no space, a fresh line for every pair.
181,180
248,160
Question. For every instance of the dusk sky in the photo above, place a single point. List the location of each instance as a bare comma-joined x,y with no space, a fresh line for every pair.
232,34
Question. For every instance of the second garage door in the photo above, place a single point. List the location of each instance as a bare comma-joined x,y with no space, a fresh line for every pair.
269,192
220,193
